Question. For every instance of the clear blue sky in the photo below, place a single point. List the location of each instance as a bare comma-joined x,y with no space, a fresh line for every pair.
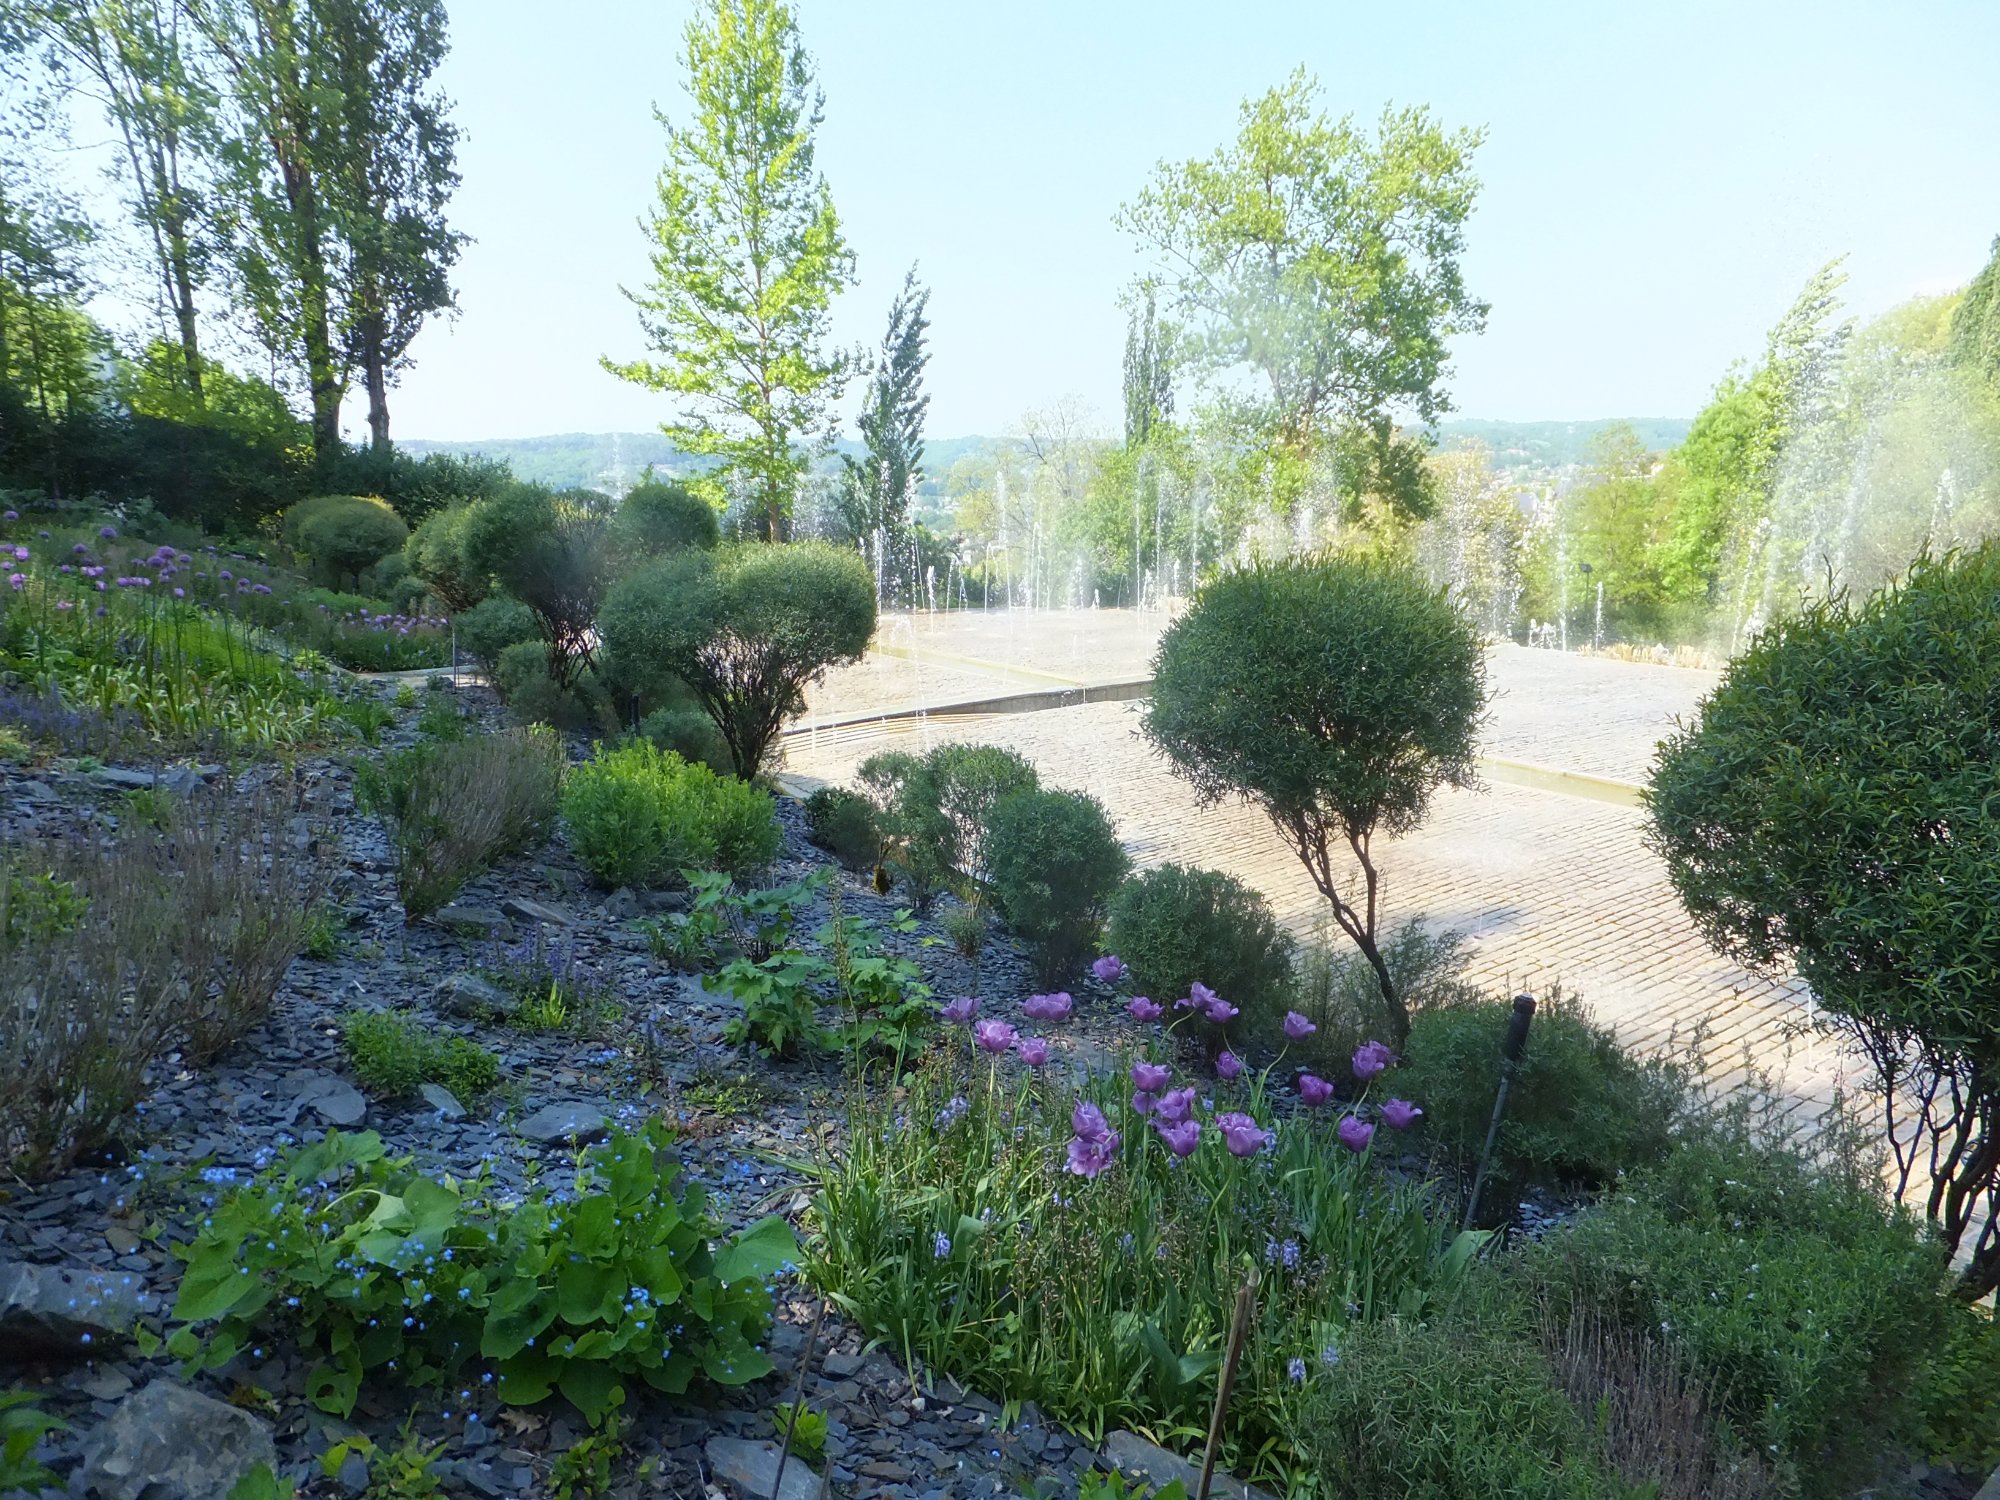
1658,180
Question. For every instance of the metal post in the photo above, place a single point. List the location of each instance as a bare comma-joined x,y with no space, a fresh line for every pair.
1239,1330
1510,1064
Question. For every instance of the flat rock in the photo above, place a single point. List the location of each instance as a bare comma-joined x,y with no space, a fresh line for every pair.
1134,1457
441,1099
560,1124
471,996
50,1312
472,921
333,1100
751,1469
1991,1489
525,909
169,1442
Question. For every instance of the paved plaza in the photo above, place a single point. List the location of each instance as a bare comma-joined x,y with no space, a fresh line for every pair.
1545,876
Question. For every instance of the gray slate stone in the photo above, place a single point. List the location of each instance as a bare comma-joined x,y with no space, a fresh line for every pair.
169,1442
470,996
751,1469
622,904
472,921
560,1124
524,909
441,1099
1991,1489
1133,1456
48,1312
333,1100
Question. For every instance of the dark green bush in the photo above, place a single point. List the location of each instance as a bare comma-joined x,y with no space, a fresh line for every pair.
1175,924
843,824
746,630
1958,1394
1054,860
690,734
521,677
1339,693
658,516
435,553
343,535
639,815
1820,816
1804,1304
552,552
490,627
1581,1110
1458,1408
393,1053
933,810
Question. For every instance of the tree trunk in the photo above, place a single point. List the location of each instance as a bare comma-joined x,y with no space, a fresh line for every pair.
1399,1014
375,368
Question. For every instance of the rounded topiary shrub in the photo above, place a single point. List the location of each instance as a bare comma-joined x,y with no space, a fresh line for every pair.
1176,924
344,535
1581,1109
843,823
1053,861
436,554
490,627
690,734
658,516
639,815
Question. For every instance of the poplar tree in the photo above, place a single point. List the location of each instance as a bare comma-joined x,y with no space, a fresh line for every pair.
892,423
747,257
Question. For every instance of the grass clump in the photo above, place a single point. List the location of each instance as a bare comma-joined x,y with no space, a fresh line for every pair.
393,1054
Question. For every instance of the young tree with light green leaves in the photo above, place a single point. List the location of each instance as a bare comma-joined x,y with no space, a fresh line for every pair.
747,257
1323,264
877,496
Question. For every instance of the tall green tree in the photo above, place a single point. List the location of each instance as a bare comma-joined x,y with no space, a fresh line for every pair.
135,57
398,167
1324,265
1149,367
877,496
1975,327
747,257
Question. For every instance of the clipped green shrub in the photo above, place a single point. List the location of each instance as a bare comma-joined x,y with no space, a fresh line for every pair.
659,516
1054,860
690,734
632,1280
638,815
552,552
1803,1303
1581,1109
933,811
843,824
490,627
435,553
1176,924
344,535
746,629
394,1053
1457,1408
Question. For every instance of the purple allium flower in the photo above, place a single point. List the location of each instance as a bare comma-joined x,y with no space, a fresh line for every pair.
17,581
1177,1105
225,575
12,515
1144,1103
1033,1050
1241,1134
961,1010
81,549
993,1036
21,553
1371,1058
1314,1090
1181,1136
108,533
1220,1011
1152,1077
1355,1134
1088,1121
1228,1066
1400,1114
1297,1027
1142,1009
1056,1007
180,593
1109,969
64,604
1088,1157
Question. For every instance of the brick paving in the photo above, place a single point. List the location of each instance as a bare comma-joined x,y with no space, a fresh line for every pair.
1546,886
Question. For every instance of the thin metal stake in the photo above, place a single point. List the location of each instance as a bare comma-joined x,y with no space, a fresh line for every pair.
1510,1064
1239,1330
798,1399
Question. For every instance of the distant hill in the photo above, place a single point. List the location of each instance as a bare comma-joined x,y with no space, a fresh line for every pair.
613,460
1553,445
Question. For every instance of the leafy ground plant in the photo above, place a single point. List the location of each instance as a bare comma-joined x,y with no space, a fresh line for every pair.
369,1262
394,1054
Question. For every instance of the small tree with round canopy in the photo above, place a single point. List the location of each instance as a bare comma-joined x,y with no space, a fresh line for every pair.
1831,810
1338,694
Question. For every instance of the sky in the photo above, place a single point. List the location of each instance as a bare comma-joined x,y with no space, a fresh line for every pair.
1658,181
